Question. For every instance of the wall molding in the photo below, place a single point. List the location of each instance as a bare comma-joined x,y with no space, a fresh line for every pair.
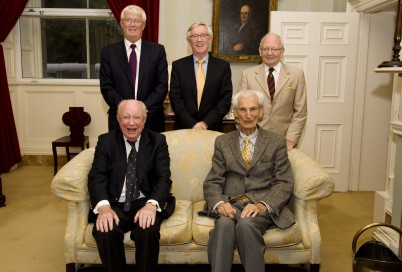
373,6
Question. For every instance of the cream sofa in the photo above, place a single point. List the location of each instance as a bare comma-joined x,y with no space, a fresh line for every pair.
184,235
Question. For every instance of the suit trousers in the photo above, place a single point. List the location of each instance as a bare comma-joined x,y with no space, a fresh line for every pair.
111,247
245,233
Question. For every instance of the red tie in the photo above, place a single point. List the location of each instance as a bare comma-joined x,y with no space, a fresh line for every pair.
133,64
271,83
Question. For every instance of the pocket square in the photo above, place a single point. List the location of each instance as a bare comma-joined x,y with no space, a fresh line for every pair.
290,88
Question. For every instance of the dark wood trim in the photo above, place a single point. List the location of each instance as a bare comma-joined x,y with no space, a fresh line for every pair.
2,197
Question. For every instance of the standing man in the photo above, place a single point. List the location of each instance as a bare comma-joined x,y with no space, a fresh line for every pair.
284,88
248,187
200,85
128,185
135,69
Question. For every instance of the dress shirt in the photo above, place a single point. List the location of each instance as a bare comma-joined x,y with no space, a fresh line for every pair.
204,65
275,73
128,44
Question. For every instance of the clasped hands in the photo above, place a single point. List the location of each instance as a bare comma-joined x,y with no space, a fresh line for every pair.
251,210
145,217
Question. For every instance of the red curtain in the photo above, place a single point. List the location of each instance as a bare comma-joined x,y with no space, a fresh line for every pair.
10,153
151,8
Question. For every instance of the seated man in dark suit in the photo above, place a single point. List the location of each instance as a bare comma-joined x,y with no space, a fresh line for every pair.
129,186
248,187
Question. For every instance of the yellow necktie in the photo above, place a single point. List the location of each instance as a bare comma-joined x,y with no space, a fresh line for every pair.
200,81
246,153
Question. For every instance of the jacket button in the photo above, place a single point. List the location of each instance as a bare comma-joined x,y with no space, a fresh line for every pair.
247,175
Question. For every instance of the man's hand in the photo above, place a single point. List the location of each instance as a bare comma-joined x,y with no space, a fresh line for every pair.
290,144
146,216
226,209
238,47
201,125
106,215
252,210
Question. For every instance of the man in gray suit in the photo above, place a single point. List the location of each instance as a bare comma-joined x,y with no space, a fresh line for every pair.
248,187
286,109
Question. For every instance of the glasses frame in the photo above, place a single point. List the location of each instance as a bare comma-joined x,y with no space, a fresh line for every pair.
129,21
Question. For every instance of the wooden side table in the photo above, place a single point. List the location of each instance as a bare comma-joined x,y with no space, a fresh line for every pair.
67,143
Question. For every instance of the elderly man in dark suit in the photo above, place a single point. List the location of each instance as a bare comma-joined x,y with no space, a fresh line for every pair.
248,187
135,69
200,102
129,185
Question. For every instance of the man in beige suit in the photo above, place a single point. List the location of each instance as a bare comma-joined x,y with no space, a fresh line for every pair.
248,188
286,112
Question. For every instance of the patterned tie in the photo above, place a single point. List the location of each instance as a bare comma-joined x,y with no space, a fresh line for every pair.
133,65
246,153
200,81
131,177
271,83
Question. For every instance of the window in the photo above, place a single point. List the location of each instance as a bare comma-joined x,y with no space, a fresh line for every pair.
64,39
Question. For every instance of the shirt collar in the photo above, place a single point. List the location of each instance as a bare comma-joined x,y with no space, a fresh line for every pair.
252,137
277,67
206,58
127,44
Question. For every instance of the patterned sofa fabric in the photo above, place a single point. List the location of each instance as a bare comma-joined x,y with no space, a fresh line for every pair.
185,234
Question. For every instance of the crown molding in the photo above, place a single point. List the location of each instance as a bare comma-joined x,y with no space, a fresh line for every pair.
372,6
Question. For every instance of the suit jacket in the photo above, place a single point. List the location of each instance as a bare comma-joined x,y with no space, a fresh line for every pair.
107,175
116,81
287,113
269,177
216,97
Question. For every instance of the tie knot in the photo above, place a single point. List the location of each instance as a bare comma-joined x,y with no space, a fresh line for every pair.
133,46
271,70
132,143
246,140
200,61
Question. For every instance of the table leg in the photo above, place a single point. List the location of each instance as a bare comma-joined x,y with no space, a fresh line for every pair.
2,197
54,158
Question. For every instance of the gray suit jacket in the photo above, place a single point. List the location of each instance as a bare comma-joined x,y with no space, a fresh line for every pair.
287,113
268,179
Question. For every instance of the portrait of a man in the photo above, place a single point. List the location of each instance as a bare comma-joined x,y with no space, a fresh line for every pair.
242,24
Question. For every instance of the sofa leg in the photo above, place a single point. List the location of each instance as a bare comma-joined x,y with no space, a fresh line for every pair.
70,267
314,267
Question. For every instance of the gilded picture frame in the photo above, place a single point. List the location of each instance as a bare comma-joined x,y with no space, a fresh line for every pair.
238,27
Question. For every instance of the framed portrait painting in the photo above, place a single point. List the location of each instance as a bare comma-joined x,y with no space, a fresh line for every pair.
238,27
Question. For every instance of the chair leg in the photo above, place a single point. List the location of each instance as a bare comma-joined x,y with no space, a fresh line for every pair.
314,267
70,267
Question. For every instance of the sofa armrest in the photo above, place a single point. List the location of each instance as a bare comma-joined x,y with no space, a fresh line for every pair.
71,182
311,180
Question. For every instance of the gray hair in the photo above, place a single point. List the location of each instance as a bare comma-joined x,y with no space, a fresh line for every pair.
133,9
248,93
124,102
196,24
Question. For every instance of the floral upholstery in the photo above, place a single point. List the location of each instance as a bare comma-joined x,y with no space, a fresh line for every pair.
185,234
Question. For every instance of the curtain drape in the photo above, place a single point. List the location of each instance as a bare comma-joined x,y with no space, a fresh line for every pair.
10,152
151,8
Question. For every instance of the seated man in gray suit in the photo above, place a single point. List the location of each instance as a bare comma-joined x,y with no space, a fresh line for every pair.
248,187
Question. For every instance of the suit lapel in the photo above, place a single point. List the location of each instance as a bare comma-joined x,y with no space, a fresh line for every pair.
259,148
234,145
191,75
121,156
122,55
143,149
283,78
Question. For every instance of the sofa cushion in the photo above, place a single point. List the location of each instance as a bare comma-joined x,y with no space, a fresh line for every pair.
275,237
176,230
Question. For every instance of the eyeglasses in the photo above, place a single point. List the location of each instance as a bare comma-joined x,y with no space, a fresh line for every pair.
273,50
132,21
196,36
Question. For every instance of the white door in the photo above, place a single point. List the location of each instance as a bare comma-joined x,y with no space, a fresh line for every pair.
324,45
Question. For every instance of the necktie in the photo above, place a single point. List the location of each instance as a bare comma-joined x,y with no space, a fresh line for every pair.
200,81
131,177
271,83
133,65
246,153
